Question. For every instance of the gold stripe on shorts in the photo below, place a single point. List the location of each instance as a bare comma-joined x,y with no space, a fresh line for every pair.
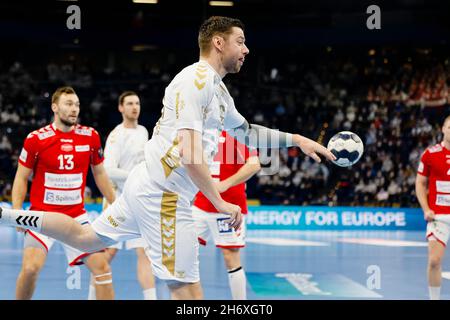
168,219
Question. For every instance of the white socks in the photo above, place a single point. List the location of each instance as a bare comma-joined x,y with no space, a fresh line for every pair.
92,295
435,293
22,218
149,294
238,283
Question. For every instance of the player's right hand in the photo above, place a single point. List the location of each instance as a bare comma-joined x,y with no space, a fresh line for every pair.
21,230
312,148
429,215
233,210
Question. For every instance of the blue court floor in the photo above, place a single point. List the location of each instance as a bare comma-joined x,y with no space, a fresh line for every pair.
279,265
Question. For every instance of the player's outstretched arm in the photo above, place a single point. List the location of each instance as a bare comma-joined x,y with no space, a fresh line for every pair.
256,136
191,153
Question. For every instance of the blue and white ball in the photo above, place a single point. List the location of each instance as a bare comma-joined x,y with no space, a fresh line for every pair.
347,147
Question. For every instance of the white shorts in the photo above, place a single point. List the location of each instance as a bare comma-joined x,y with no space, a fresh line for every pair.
438,230
129,244
209,224
162,218
74,256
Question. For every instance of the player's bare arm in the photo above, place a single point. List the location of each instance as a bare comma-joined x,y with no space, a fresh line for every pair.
257,136
191,153
422,196
103,183
250,168
20,187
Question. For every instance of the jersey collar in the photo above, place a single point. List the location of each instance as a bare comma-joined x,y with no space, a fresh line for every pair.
52,125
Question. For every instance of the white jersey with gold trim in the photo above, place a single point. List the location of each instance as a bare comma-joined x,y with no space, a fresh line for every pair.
156,203
195,99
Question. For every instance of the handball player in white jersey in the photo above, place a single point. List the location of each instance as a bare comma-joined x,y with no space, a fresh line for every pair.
123,150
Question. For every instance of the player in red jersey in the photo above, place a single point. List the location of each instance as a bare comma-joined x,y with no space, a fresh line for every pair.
59,156
433,193
233,165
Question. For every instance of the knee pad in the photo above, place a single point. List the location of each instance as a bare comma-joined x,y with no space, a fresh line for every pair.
103,282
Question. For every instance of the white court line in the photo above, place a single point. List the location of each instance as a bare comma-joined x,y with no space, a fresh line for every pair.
446,275
384,242
286,242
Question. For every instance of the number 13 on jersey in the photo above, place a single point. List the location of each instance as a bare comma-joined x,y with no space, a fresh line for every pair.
65,162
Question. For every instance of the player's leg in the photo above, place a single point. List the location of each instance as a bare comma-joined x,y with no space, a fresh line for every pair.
100,269
436,252
437,235
110,253
175,259
201,225
96,262
32,262
54,225
185,291
230,241
236,273
169,231
182,290
34,256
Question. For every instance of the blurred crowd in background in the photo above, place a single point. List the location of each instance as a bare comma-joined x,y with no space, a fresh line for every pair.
394,99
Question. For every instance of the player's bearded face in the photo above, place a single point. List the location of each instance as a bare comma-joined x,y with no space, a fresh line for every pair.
68,109
235,51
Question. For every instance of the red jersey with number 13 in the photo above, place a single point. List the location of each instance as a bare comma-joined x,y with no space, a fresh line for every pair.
435,164
60,163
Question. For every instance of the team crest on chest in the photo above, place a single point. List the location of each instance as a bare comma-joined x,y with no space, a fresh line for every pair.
66,147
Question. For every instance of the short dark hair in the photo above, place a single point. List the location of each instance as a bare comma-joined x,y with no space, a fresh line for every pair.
60,91
126,94
213,26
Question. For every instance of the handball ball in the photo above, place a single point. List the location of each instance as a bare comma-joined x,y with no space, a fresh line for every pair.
347,147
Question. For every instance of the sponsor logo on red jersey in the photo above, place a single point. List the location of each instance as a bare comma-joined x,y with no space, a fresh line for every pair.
66,147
